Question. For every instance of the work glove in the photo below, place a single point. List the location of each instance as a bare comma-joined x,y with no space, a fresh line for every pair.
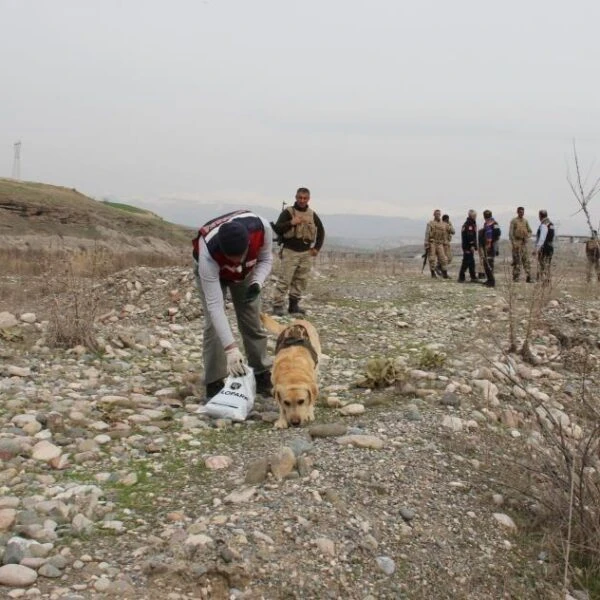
235,362
252,293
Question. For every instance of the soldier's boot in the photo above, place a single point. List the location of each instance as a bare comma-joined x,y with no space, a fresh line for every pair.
278,310
434,274
481,275
294,307
529,279
445,274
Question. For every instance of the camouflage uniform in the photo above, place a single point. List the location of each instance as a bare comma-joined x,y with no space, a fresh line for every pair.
519,235
300,243
435,237
449,233
592,253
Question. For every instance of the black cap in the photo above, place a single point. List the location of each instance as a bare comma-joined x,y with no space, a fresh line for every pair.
233,238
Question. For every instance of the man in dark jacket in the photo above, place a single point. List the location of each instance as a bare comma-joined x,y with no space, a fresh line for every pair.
469,247
544,246
489,238
303,235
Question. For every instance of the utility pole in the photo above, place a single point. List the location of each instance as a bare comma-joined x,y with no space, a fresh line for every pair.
16,170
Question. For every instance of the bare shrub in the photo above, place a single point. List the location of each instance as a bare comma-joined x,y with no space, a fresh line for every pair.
559,474
74,302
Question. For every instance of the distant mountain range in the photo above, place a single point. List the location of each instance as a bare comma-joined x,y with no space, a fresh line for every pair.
352,231
368,232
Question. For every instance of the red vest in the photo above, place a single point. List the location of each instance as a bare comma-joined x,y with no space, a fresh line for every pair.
256,234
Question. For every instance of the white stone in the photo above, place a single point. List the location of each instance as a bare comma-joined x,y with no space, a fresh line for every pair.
17,576
326,546
28,318
352,409
453,423
7,518
218,462
361,441
240,496
14,371
505,521
199,539
45,451
7,320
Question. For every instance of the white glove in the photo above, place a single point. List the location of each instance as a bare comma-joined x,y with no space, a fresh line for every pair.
235,362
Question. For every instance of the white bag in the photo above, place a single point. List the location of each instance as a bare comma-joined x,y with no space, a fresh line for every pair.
235,400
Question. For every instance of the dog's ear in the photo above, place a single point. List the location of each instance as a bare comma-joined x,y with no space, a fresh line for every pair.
313,392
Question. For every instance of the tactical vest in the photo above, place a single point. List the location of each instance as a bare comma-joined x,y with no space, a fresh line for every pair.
520,231
307,232
549,241
227,269
437,232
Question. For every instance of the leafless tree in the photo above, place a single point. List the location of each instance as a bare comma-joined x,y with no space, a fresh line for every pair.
580,189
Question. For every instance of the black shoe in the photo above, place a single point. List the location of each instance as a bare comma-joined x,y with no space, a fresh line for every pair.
434,274
474,280
263,383
490,283
278,311
445,274
212,389
294,308
480,275
529,280
460,281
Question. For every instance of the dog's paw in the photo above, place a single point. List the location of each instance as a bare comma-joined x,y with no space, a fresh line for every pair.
281,424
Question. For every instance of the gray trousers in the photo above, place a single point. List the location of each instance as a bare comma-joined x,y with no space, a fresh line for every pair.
254,337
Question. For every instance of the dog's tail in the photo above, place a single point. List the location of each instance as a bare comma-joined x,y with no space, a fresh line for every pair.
270,324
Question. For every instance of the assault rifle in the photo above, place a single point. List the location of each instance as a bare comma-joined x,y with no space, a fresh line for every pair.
278,236
424,257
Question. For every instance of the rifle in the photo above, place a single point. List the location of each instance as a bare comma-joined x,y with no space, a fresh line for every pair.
279,236
424,257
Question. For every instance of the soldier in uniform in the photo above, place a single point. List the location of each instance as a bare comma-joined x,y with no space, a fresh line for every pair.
449,233
592,253
544,246
519,235
303,235
435,237
469,247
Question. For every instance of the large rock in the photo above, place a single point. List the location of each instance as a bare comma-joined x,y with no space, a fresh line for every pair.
17,576
7,320
45,451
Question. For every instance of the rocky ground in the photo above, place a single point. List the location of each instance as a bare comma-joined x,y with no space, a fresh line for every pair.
114,486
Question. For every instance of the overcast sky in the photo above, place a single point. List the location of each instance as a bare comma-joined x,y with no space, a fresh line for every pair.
380,107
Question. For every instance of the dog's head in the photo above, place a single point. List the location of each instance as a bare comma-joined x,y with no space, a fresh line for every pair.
296,401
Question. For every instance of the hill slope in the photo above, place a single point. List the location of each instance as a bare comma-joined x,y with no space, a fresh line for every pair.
33,211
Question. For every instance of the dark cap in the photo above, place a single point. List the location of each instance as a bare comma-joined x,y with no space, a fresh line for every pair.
233,238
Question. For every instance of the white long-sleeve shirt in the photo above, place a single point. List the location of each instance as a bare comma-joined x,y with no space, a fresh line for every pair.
208,272
543,234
